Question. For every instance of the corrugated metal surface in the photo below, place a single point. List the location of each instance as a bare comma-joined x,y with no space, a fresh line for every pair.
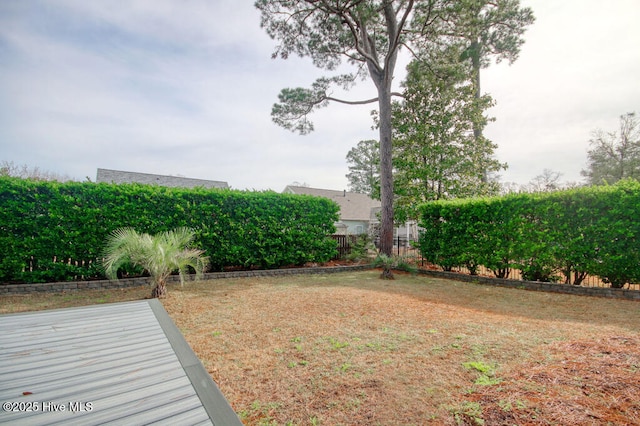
101,364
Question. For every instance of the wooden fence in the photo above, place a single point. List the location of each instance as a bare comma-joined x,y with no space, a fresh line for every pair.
402,247
414,256
345,243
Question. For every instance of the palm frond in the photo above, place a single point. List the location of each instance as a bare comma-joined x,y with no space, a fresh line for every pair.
121,248
160,254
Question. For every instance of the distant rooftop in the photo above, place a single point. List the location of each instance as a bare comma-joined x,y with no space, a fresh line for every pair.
118,176
353,205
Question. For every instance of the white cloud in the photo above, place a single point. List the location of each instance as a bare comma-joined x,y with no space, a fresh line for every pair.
575,74
187,88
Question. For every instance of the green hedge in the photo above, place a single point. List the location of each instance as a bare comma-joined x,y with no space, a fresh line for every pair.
53,231
547,236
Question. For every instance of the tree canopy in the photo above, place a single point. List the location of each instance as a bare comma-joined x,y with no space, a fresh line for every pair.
364,166
437,153
9,168
367,34
614,155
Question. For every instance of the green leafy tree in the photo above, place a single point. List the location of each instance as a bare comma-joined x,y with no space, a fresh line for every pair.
364,168
436,153
367,34
160,255
614,155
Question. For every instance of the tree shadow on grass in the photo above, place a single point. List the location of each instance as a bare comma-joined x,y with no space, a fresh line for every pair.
483,298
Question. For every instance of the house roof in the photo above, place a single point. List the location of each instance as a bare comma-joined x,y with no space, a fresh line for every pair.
118,176
353,206
122,362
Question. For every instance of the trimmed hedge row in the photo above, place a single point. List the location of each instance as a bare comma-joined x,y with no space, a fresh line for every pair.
53,231
547,236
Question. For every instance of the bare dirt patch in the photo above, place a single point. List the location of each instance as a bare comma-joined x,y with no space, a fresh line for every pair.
352,349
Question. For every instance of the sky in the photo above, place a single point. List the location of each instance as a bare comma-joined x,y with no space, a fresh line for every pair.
185,88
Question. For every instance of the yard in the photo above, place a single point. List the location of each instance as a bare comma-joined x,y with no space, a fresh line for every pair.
352,349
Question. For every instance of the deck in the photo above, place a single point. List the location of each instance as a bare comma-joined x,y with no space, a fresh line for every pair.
121,363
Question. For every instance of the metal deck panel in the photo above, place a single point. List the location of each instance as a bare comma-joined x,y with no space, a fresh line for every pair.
128,360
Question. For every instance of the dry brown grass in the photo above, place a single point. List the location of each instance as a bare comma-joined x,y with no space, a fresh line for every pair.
352,349
41,301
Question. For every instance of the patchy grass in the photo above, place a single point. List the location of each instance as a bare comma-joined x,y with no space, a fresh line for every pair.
352,349
41,301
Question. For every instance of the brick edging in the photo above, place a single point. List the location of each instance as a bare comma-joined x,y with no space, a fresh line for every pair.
613,293
139,282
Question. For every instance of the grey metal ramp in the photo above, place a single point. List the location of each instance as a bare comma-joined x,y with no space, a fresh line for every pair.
121,363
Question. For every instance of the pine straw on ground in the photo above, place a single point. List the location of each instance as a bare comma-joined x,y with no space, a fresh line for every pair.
585,382
355,350
351,349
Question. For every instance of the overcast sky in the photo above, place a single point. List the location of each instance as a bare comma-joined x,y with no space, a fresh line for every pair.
186,88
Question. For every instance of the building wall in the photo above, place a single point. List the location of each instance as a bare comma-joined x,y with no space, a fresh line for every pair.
355,227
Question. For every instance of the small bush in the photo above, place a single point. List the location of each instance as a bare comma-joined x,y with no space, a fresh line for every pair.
360,249
401,263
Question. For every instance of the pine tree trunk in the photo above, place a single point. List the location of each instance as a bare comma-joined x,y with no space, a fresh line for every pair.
382,79
386,176
381,73
477,129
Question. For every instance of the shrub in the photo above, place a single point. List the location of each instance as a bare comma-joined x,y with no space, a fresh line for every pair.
360,248
575,232
387,263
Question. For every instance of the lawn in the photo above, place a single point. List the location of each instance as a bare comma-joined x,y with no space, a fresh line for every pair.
352,349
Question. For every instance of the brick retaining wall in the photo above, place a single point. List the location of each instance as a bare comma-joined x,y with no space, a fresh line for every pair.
616,293
139,282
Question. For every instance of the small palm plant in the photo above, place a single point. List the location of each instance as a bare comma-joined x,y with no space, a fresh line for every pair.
388,263
160,255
